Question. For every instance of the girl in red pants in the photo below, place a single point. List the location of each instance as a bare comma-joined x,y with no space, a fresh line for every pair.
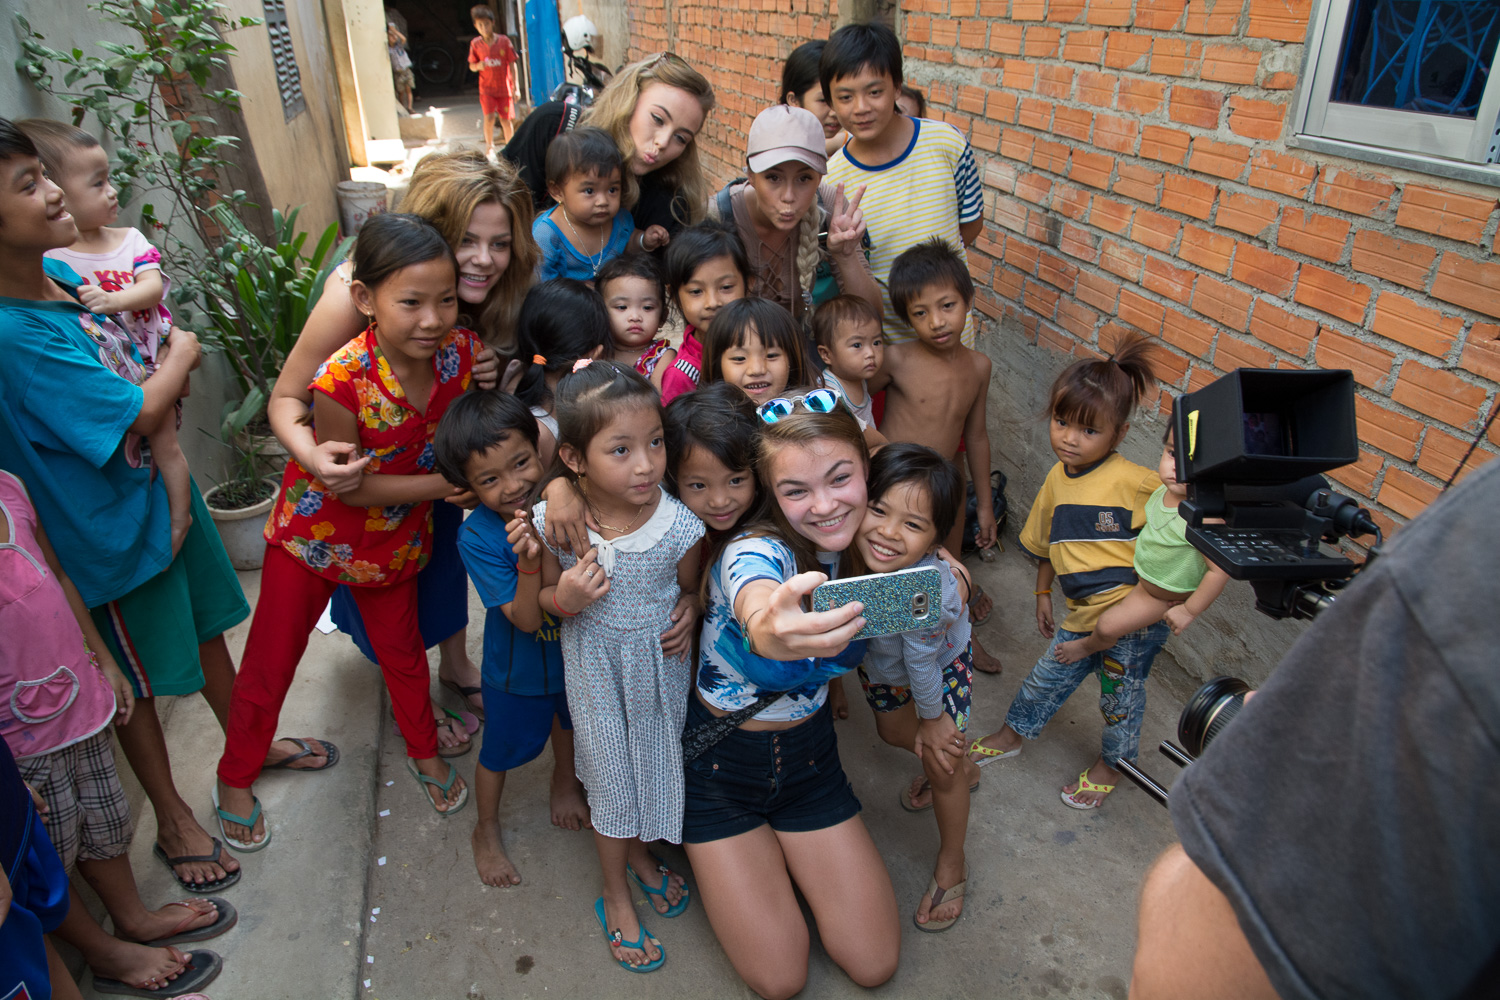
384,391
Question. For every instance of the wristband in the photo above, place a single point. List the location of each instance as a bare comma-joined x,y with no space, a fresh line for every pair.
528,572
745,628
1039,593
559,607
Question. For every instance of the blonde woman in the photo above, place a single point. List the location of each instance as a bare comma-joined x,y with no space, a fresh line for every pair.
484,212
654,110
782,208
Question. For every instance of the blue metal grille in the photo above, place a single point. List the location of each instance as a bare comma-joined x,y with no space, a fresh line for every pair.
1429,56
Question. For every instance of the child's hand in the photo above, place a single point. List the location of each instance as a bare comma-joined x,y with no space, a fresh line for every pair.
678,640
1178,617
1044,615
467,499
124,694
339,466
846,224
985,537
581,585
96,299
180,341
941,738
568,517
515,369
486,366
655,237
524,543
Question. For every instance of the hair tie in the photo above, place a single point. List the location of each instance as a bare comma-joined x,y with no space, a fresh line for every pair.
581,364
537,359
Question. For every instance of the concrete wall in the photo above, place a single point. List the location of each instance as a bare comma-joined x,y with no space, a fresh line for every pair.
302,159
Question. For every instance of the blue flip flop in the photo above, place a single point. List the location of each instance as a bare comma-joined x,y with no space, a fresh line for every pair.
673,910
244,847
616,938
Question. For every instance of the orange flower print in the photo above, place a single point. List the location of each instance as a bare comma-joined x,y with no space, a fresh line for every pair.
322,530
360,571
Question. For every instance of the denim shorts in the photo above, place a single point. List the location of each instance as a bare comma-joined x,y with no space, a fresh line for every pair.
789,778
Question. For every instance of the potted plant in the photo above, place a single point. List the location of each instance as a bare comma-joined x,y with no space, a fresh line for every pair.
240,505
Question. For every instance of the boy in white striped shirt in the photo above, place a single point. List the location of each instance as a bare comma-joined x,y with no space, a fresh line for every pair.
919,175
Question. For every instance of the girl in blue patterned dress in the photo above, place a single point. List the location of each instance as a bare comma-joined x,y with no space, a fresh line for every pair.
627,684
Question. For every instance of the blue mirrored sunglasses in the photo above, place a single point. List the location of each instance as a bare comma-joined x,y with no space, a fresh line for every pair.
817,401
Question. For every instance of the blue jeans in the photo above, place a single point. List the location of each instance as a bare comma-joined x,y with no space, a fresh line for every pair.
1122,670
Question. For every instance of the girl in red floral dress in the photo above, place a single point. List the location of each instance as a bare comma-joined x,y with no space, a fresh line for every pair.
385,391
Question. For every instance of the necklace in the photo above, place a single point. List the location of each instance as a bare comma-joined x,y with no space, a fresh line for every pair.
610,527
594,262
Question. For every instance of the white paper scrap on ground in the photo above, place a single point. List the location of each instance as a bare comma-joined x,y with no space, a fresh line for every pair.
325,621
388,784
381,861
367,984
376,911
385,812
369,959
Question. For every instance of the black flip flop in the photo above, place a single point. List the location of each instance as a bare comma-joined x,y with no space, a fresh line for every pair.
228,917
306,751
203,967
465,693
229,879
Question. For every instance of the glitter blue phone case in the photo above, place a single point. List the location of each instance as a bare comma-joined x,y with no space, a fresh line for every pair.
894,602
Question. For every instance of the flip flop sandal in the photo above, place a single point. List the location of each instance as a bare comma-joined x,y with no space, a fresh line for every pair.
244,847
988,755
228,917
202,888
978,593
673,909
904,796
285,764
616,938
460,749
465,692
201,968
1085,785
423,780
939,896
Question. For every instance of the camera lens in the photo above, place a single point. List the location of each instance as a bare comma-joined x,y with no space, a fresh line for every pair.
1208,711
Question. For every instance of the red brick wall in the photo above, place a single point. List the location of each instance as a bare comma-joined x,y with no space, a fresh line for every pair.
1136,176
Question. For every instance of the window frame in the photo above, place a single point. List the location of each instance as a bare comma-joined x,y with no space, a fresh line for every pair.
1453,148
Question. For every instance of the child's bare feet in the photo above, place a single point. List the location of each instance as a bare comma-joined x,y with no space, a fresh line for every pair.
619,915
1101,779
983,661
1076,649
838,701
180,525
570,805
490,858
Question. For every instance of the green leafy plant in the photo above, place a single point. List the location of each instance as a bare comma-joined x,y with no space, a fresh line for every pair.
246,485
256,311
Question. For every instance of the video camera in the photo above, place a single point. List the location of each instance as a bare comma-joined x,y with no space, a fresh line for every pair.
1251,448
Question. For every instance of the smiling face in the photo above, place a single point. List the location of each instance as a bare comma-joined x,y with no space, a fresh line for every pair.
784,193
504,474
937,313
1079,445
33,212
624,462
665,120
857,353
820,488
483,252
719,496
812,100
91,198
634,310
897,529
716,283
415,308
588,199
864,103
758,369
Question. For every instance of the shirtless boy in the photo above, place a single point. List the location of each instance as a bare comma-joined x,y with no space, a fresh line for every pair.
935,387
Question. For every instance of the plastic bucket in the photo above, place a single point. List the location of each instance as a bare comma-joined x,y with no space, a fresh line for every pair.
358,200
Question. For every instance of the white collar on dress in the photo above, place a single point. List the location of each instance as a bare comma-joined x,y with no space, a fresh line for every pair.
641,539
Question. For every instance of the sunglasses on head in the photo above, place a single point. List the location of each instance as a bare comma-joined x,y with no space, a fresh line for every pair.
817,401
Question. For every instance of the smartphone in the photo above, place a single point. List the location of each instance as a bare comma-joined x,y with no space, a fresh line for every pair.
894,602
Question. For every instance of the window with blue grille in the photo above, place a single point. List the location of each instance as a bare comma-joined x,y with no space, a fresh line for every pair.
1415,79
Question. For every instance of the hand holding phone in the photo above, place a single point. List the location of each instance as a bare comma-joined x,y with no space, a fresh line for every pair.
894,602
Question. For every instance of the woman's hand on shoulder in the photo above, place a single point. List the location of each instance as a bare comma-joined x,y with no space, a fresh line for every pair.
568,517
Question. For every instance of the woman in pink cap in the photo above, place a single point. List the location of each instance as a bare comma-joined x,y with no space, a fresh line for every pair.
784,213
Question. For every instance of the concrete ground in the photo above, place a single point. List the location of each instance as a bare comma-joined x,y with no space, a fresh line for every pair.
1051,898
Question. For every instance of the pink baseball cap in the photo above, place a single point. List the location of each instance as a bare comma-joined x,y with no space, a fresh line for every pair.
781,133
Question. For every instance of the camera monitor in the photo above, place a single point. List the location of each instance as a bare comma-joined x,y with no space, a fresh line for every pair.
1265,425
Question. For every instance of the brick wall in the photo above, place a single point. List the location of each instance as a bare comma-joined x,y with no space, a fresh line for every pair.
1136,176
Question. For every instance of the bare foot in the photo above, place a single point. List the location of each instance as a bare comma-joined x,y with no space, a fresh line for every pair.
138,966
948,874
1100,774
167,921
439,769
1072,651
489,856
180,526
282,749
980,608
570,806
983,661
648,868
838,701
188,839
622,922
241,802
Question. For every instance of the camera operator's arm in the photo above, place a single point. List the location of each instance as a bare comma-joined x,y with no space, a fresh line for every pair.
1045,574
1180,616
1189,942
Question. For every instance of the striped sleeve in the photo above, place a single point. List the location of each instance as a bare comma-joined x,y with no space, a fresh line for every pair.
966,180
